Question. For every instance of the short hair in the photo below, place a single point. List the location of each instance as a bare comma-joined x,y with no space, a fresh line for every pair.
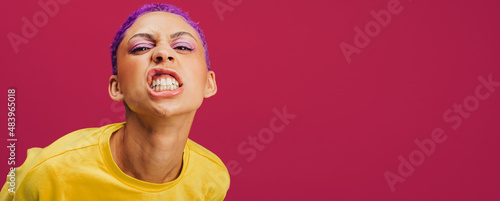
163,7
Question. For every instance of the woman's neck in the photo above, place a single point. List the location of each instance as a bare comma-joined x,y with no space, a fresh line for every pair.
150,150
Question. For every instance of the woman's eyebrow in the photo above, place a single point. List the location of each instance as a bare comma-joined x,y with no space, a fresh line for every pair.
181,33
144,35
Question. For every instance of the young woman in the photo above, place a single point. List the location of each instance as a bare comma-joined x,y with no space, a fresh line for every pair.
161,73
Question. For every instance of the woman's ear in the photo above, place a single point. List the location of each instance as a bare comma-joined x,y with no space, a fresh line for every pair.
211,85
114,89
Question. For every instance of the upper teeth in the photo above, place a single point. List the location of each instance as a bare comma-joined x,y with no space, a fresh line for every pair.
161,84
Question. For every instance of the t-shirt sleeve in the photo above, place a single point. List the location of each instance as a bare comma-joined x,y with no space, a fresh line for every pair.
16,179
218,186
5,195
24,190
18,191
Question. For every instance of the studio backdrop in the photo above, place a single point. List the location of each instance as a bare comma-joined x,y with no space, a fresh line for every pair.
317,100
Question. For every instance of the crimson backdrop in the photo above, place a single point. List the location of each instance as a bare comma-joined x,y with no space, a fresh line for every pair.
379,101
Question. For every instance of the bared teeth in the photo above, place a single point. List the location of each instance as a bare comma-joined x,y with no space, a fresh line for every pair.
163,84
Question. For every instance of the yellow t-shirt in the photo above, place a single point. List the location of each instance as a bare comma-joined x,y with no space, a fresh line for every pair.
79,166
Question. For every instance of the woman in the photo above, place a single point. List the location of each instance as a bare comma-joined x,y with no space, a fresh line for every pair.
161,73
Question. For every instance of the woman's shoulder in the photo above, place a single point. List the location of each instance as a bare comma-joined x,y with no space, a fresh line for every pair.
209,166
203,152
67,149
75,140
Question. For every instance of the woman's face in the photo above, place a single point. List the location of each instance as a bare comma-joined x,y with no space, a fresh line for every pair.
161,67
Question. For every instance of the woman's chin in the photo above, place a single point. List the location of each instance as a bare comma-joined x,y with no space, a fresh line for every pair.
167,111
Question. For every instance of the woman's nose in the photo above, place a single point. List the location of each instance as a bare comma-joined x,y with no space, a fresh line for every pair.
162,55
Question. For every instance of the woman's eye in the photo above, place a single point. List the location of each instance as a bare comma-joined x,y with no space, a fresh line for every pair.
139,49
183,48
183,45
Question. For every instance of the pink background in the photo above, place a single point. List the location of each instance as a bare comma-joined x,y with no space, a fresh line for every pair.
353,120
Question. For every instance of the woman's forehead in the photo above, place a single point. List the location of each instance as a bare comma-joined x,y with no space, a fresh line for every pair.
160,22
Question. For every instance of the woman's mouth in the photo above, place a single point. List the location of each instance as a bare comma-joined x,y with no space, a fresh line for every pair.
163,82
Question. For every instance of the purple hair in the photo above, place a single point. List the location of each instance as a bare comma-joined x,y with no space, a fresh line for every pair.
147,9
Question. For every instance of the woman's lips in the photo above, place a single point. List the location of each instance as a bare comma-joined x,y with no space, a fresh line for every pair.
164,94
163,82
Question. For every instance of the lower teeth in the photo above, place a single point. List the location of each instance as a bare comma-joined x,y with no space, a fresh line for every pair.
164,87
